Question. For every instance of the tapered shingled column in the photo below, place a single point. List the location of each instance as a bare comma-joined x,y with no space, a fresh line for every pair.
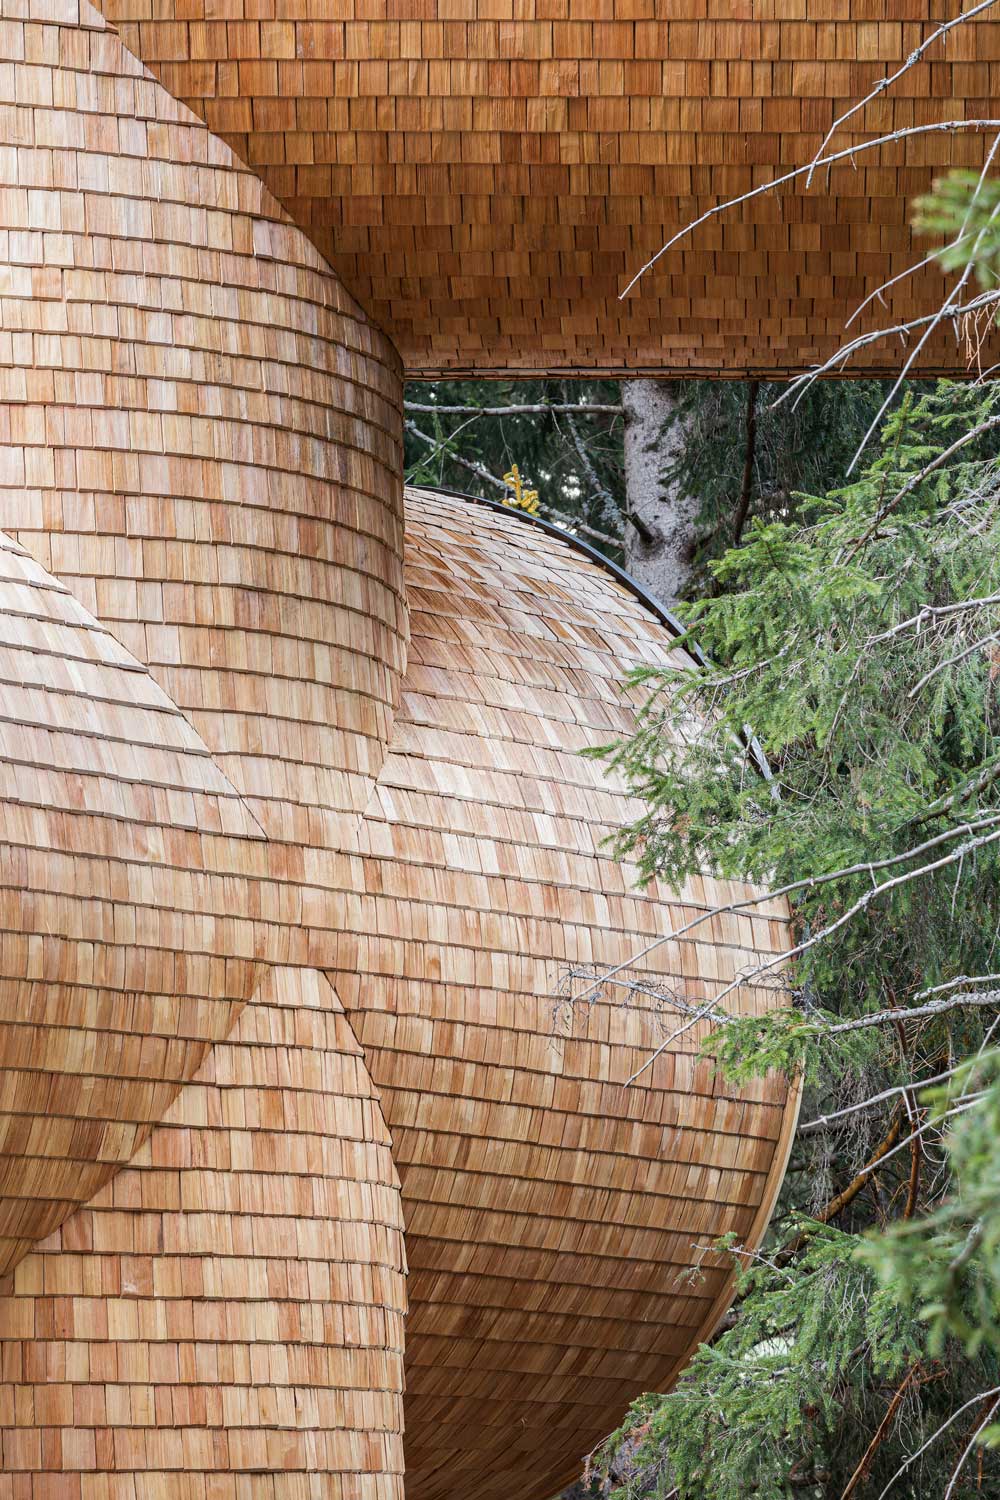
200,650
296,854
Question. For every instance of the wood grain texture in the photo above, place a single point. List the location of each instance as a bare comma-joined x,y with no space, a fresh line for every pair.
200,434
487,175
201,430
552,1214
225,1318
127,944
394,849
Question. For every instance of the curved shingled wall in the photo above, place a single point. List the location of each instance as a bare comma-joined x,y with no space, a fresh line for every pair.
203,431
225,1317
127,944
201,443
551,1212
201,454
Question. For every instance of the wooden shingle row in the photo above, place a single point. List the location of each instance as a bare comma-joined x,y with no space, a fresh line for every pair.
194,402
125,949
224,1317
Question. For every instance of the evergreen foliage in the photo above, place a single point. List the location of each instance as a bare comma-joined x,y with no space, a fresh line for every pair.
860,636
854,622
966,210
946,1266
541,444
800,447
782,1378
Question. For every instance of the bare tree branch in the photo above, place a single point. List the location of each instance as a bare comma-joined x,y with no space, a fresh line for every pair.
796,388
933,612
823,934
607,500
919,265
973,999
849,152
573,523
982,1396
823,1122
969,1102
464,463
970,788
581,409
953,661
957,983
889,80
947,308
810,882
991,1407
749,458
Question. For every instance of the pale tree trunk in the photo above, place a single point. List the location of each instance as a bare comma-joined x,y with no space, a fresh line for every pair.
661,536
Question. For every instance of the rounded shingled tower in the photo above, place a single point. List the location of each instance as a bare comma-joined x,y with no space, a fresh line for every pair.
304,878
553,1213
204,431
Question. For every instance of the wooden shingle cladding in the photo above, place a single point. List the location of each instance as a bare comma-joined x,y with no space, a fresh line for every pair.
225,1317
551,1212
126,945
486,176
301,849
202,431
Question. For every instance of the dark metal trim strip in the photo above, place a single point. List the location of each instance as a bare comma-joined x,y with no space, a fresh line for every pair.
632,585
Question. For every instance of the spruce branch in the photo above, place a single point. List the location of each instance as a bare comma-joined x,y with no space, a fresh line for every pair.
807,883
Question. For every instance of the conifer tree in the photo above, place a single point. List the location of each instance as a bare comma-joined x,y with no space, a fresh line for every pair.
739,456
861,640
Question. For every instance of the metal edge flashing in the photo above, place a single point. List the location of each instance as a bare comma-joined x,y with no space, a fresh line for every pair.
632,585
